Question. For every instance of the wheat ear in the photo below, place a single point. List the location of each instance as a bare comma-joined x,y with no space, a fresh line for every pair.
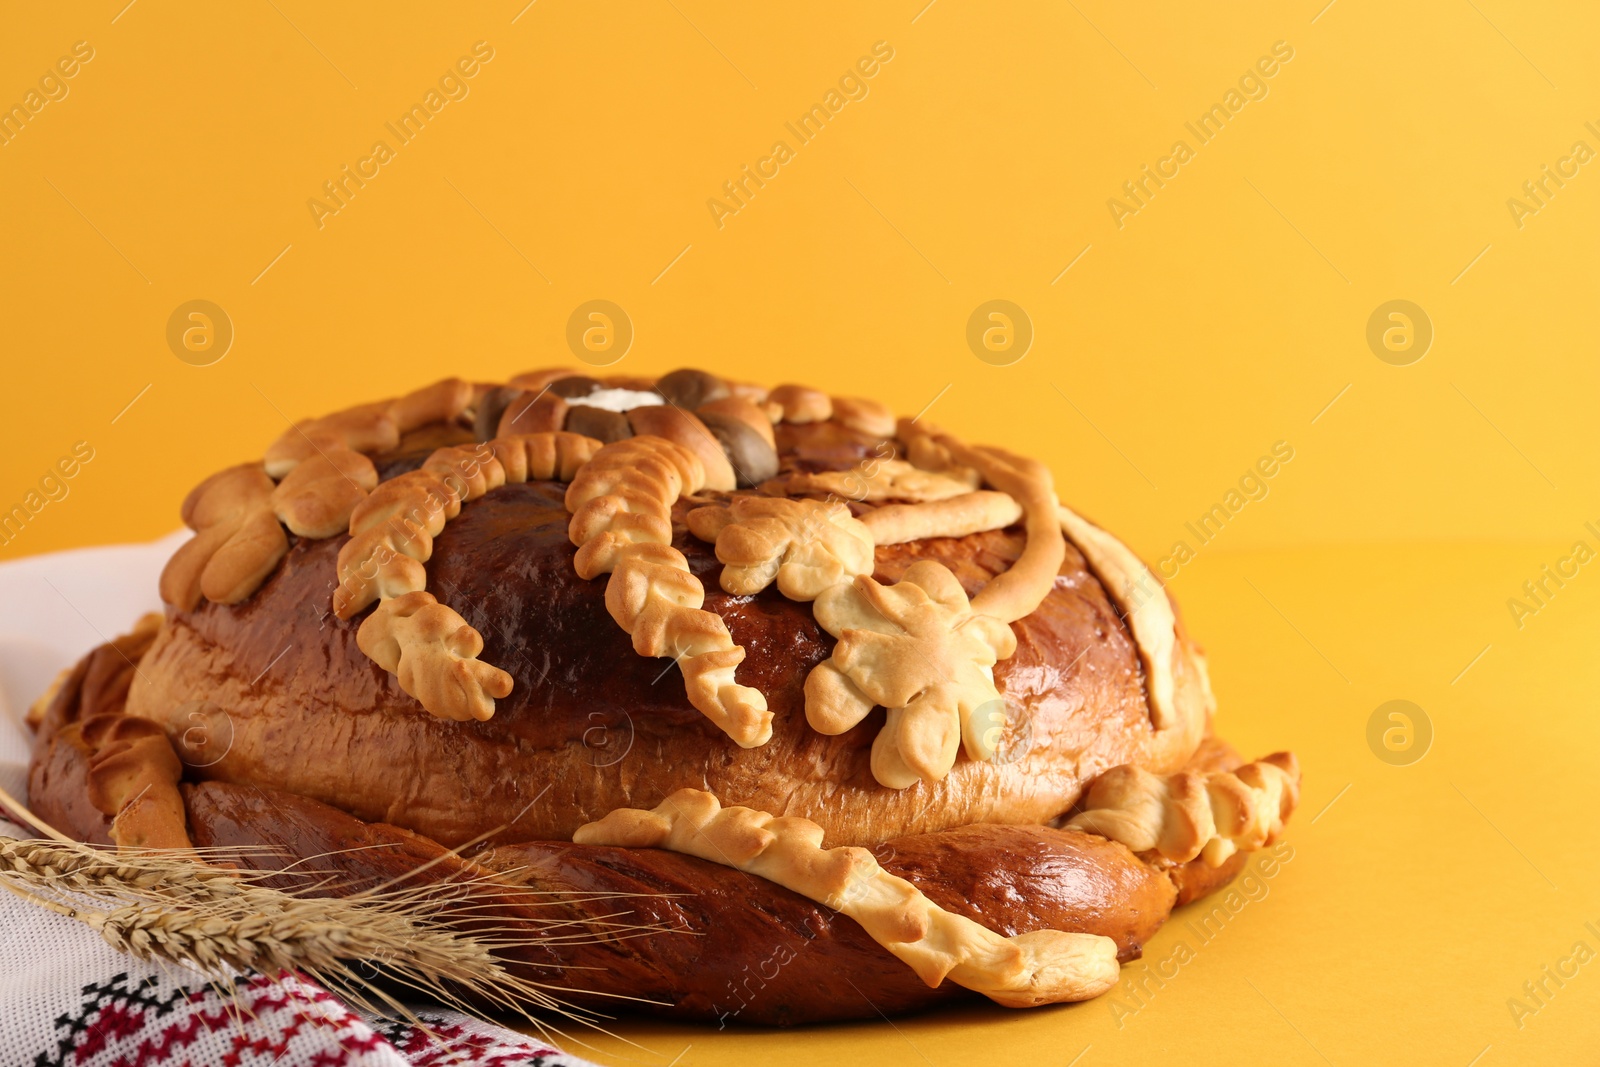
221,917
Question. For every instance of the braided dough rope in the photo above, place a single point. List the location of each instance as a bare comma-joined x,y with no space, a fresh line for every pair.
621,505
885,479
956,516
1136,590
1185,815
426,645
918,649
1039,967
806,545
433,653
392,530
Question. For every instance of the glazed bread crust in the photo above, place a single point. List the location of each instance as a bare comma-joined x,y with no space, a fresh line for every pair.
591,726
740,659
732,946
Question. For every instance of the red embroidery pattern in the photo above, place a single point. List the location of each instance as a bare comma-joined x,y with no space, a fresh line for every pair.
262,1022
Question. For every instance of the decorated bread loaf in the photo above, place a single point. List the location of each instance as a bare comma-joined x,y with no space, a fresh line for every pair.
837,713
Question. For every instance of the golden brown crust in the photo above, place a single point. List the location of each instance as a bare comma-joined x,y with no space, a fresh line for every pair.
96,773
535,381
1073,689
132,776
428,646
739,948
1151,618
97,682
434,653
746,411
1024,971
624,495
533,412
392,529
1010,879
684,429
442,401
1020,589
1027,664
878,480
369,427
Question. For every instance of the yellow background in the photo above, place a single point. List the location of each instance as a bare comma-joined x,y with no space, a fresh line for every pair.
1224,316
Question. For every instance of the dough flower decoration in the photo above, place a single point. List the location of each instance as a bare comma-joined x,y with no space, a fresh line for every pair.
317,498
1024,971
806,546
919,650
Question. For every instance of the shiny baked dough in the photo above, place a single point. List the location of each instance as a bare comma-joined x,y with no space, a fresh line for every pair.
427,645
917,649
864,416
874,480
434,653
1022,588
133,775
1134,588
1024,971
621,504
1189,814
369,427
956,516
806,546
317,498
801,403
238,540
392,529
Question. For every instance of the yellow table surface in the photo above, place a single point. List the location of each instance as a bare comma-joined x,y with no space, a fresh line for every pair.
1438,154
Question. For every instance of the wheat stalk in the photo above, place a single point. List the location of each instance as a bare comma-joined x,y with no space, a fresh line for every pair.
174,907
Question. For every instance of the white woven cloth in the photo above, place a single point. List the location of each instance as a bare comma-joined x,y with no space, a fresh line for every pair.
66,997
